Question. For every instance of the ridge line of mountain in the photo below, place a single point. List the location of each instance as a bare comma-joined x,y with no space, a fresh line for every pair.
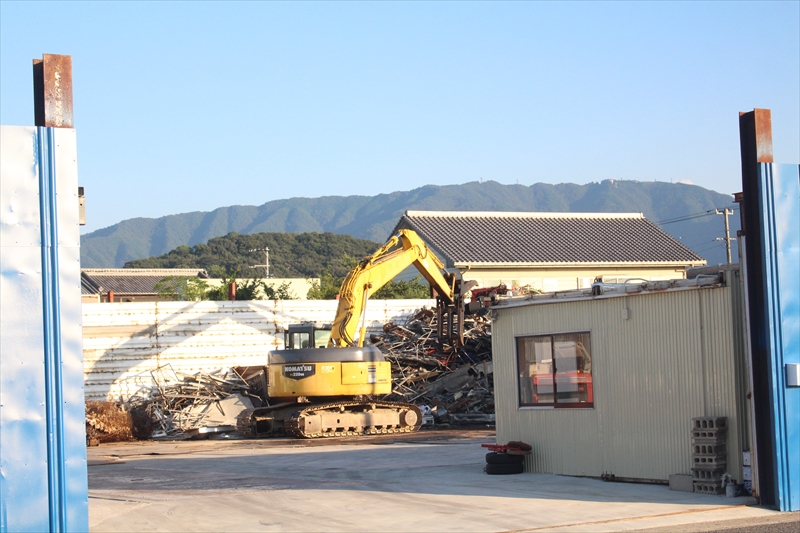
373,217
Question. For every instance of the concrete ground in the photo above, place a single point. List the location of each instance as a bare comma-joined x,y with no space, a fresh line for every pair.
431,481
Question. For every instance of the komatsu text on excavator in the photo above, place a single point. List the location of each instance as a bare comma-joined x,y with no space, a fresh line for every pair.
325,382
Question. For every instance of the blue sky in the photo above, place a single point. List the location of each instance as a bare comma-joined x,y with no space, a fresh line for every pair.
191,106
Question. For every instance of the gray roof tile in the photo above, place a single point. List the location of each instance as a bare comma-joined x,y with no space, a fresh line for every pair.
140,281
546,238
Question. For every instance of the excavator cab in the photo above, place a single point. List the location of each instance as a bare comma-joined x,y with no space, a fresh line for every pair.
306,335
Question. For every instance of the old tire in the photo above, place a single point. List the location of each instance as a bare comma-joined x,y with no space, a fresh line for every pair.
496,458
504,469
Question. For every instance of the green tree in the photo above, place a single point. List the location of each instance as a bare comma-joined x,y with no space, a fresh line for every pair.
248,289
221,293
329,285
282,292
417,288
330,281
302,255
183,288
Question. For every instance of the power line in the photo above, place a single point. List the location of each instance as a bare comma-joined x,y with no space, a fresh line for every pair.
692,216
699,244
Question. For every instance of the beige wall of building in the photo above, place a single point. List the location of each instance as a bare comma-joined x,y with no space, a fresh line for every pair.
567,278
658,360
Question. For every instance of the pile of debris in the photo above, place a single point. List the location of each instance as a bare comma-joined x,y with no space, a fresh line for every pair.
107,422
186,406
451,386
454,385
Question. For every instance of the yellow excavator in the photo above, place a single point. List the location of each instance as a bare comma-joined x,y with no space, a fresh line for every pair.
325,382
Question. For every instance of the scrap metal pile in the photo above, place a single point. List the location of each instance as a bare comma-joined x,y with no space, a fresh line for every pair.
450,385
180,405
454,385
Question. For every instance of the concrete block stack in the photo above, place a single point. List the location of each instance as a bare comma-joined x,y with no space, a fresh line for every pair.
747,472
709,456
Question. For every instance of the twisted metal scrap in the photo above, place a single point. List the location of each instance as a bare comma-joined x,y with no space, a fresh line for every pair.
177,403
419,362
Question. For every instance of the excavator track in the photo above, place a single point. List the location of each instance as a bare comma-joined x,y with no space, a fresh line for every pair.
264,421
353,418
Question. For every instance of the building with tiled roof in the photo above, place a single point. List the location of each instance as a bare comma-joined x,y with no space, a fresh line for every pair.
138,284
551,251
129,284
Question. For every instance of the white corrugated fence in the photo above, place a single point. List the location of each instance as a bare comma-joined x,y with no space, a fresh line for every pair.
123,343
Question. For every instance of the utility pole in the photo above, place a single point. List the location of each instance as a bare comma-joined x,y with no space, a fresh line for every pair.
727,212
266,260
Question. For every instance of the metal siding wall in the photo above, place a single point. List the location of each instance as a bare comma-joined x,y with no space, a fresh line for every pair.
652,373
125,342
742,371
27,495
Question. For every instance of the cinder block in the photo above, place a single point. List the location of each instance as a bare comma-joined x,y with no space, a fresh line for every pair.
683,482
719,461
708,474
708,487
708,449
710,422
709,436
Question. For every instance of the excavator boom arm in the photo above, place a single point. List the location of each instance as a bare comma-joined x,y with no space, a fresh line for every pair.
401,250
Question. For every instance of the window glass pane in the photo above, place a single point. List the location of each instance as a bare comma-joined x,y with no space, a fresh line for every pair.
321,337
535,360
573,378
300,340
555,370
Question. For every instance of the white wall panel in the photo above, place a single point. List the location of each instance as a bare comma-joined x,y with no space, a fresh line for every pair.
125,342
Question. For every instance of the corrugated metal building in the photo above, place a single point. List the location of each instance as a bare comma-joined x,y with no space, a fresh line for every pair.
646,359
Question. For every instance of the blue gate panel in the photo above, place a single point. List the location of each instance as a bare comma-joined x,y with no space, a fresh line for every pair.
43,483
779,202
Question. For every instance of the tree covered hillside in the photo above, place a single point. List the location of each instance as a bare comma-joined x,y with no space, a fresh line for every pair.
304,255
373,218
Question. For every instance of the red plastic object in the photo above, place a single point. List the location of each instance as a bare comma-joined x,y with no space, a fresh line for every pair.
505,448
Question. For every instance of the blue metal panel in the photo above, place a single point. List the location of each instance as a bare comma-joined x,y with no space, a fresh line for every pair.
43,483
779,203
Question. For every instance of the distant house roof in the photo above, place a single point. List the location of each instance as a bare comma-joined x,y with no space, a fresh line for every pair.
478,238
89,286
134,281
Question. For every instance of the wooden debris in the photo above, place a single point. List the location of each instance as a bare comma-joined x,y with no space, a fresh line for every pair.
457,384
107,422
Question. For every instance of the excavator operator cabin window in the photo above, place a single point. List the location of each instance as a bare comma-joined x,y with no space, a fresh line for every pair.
299,340
555,370
321,338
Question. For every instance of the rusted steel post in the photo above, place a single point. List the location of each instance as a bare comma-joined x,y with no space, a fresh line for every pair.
755,139
52,91
232,291
111,297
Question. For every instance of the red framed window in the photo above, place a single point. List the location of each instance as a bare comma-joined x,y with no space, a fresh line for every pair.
555,370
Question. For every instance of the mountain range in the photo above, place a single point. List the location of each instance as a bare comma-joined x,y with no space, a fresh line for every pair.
685,211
